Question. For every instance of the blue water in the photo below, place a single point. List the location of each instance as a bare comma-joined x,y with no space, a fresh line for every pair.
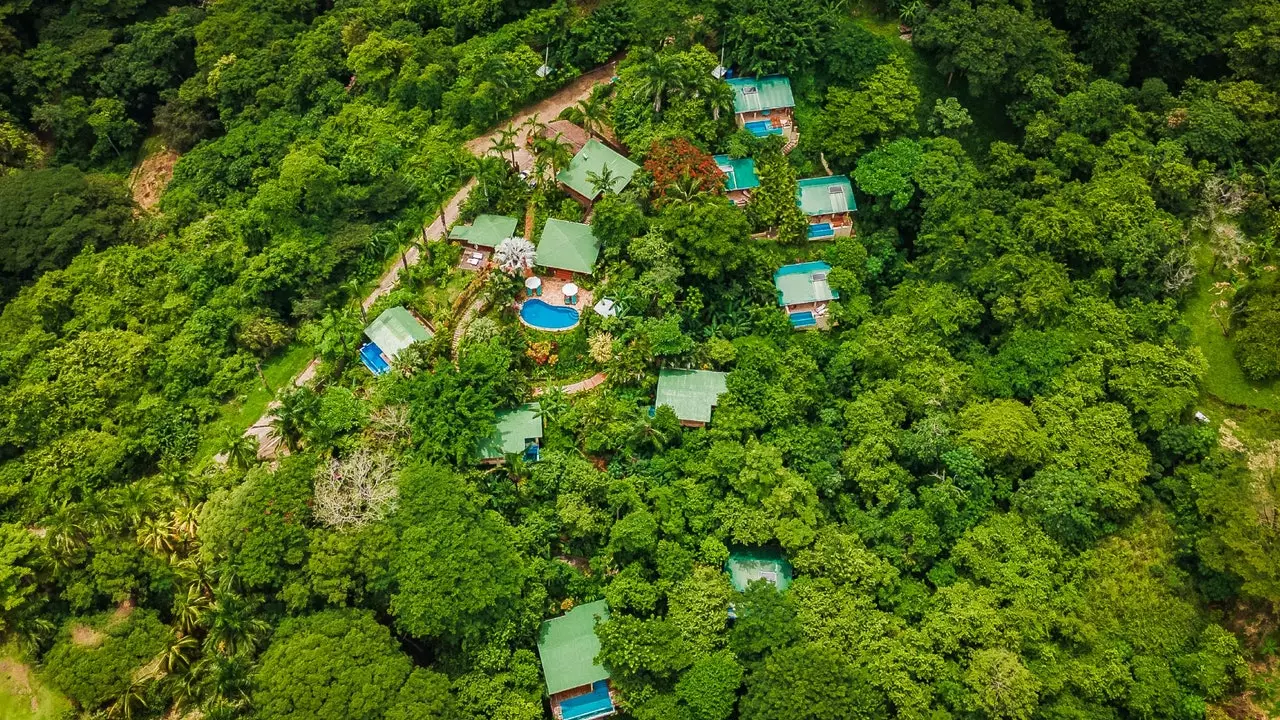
821,230
545,316
594,704
371,356
803,319
760,128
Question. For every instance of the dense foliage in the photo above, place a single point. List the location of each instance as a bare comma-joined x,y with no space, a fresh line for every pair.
986,469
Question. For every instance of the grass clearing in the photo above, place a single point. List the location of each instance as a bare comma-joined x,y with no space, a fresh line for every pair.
23,696
1225,380
243,411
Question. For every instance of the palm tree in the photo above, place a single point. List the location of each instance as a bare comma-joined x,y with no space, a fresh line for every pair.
129,701
65,534
189,609
241,450
515,255
686,188
718,94
590,113
504,143
552,404
298,406
603,181
337,325
234,626
354,289
660,74
156,534
552,152
185,520
645,431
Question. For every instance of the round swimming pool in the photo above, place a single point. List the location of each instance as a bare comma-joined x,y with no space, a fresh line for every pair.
544,316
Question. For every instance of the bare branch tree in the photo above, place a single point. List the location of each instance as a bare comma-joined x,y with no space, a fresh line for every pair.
356,490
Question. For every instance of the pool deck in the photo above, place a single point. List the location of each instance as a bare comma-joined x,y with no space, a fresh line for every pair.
552,295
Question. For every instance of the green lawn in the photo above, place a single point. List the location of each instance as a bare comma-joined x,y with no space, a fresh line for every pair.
244,410
1225,380
22,694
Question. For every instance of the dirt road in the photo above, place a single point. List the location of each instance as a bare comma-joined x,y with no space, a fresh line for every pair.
546,110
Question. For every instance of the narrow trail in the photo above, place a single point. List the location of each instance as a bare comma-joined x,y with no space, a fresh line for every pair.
573,388
545,110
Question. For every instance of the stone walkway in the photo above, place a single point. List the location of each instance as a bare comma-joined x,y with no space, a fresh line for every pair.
574,388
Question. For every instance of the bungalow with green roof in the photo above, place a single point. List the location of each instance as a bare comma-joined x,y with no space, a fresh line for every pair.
692,394
829,203
577,684
591,162
764,105
746,566
739,177
485,232
567,248
803,291
389,333
516,432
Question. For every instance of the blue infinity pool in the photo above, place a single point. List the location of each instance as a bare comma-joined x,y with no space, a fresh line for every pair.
821,230
761,128
544,316
803,319
371,356
594,704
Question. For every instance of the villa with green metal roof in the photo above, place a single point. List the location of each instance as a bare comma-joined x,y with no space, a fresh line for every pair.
739,177
692,394
592,161
391,332
764,105
485,232
803,291
748,565
829,203
567,248
577,684
515,432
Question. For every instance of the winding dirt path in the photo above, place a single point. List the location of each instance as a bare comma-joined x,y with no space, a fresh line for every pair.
546,109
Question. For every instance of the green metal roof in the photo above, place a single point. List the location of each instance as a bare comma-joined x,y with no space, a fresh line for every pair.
744,566
566,245
803,283
396,329
568,646
485,230
690,393
512,432
825,196
765,93
739,173
594,157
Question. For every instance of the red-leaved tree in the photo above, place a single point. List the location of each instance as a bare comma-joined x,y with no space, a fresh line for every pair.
680,169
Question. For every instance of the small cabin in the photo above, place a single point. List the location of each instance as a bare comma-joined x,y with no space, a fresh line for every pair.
803,291
692,394
516,432
764,105
746,566
577,686
739,178
567,249
390,333
591,161
829,204
485,232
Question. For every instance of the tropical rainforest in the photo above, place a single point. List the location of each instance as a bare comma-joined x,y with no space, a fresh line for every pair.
1029,471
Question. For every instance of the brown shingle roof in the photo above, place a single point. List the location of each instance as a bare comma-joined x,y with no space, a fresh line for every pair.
569,133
